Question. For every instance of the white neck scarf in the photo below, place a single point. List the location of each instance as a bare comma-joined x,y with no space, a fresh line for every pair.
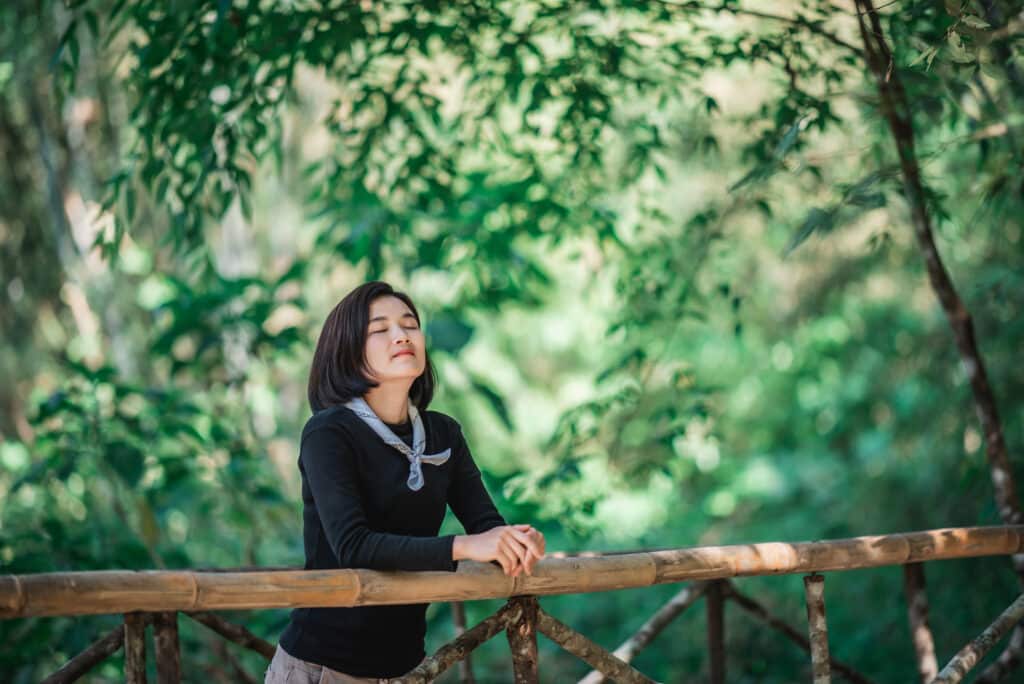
419,440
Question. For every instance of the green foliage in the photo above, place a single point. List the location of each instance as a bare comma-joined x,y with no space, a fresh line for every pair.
213,316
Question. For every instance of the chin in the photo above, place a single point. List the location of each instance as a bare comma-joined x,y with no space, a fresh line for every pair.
411,374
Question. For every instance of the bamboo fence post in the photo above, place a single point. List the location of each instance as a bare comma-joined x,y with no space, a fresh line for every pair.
968,656
89,658
234,633
917,614
589,652
135,648
814,593
522,641
628,649
716,632
466,664
760,612
433,666
165,646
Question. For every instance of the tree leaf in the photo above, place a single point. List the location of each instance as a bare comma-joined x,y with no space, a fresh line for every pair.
818,219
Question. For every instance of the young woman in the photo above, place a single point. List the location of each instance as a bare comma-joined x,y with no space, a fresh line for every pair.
378,470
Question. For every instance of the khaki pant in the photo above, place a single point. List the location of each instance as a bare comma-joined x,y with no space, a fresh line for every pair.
287,669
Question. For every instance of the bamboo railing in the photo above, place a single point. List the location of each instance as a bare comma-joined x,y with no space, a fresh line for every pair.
155,598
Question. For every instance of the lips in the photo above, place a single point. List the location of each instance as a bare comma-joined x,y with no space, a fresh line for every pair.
406,352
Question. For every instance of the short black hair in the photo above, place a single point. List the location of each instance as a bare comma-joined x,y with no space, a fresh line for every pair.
339,370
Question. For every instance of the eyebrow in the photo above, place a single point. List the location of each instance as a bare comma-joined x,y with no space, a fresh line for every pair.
384,318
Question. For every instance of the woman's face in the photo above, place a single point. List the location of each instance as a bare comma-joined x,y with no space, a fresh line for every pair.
395,348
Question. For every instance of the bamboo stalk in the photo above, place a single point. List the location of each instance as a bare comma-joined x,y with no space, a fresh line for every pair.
917,614
969,655
111,591
234,633
589,652
652,628
814,592
522,641
135,648
460,647
716,632
100,650
466,664
165,645
759,611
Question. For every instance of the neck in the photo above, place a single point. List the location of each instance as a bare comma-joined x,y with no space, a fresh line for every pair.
390,402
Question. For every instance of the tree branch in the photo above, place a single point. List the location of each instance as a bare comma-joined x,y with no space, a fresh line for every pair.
895,107
802,22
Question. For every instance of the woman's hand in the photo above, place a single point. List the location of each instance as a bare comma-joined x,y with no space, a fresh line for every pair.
515,547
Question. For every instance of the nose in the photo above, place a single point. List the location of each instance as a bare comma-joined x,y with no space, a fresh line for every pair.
399,335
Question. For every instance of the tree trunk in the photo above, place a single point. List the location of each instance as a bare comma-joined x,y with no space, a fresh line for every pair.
897,112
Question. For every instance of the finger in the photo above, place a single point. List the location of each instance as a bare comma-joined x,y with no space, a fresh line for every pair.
538,538
504,562
531,560
518,550
542,542
512,562
523,538
529,542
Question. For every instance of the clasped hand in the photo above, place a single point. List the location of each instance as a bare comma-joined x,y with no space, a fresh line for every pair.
517,548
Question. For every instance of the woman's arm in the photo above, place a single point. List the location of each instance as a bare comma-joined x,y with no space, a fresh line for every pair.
515,547
467,496
330,471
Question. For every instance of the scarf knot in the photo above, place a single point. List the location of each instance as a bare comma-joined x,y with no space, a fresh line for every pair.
415,454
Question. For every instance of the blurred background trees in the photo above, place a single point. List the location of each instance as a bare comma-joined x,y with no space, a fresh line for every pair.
662,250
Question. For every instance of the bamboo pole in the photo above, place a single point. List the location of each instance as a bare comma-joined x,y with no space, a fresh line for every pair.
89,658
135,648
112,591
969,655
234,633
814,592
522,641
917,614
716,632
652,628
466,664
1008,660
589,652
460,647
760,612
165,646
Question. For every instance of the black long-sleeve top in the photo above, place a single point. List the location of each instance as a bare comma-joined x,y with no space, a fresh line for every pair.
358,512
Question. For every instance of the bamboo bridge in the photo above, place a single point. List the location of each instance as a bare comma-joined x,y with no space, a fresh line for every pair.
157,597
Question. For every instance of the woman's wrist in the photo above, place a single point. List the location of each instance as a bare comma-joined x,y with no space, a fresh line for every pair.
459,547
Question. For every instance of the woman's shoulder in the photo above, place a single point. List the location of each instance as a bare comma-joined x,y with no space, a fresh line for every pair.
438,418
444,425
337,418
